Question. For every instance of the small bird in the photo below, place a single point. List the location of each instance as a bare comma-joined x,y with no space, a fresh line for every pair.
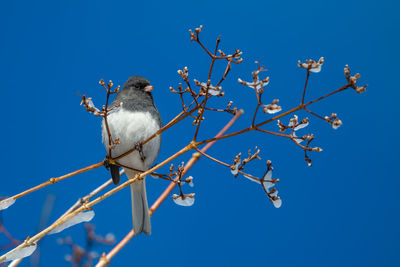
136,120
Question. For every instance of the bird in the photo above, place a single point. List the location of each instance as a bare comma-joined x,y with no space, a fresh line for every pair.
136,119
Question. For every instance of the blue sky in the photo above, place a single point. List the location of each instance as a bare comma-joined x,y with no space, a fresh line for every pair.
344,210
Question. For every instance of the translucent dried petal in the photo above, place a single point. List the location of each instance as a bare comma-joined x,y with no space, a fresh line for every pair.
91,106
191,184
274,194
213,92
316,69
262,84
79,218
252,179
211,89
301,126
277,202
298,140
268,185
115,109
235,169
5,203
268,175
90,103
19,253
186,200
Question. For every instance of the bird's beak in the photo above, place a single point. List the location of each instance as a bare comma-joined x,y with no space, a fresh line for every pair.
148,88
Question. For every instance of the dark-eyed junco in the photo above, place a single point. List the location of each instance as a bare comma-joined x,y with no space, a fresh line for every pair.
136,120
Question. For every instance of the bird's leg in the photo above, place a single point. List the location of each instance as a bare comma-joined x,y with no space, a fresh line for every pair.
139,148
106,162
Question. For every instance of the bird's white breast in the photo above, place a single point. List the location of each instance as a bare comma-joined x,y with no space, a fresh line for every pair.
131,128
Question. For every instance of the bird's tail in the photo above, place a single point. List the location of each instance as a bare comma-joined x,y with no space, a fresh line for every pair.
140,208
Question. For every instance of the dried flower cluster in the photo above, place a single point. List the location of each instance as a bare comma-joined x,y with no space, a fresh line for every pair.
194,94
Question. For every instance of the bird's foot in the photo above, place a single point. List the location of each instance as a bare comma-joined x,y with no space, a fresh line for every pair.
139,148
106,162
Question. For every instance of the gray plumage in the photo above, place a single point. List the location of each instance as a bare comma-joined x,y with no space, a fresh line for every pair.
137,120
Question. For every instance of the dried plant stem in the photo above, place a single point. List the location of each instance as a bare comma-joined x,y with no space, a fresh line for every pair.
273,133
105,259
208,84
55,180
15,263
110,140
224,164
305,87
344,87
212,158
86,198
315,114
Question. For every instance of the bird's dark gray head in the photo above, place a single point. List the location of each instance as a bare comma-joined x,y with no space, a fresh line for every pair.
137,83
136,86
135,94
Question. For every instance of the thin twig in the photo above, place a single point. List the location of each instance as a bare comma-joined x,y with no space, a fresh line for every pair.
305,87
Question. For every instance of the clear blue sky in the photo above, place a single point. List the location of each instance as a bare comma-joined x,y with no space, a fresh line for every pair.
343,211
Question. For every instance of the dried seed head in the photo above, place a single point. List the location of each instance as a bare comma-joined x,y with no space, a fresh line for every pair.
110,84
311,65
273,107
317,149
198,30
361,89
347,72
336,123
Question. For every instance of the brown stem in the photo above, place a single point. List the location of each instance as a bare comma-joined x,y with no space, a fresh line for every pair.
227,69
206,97
344,87
55,180
214,159
255,114
305,87
274,133
315,114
